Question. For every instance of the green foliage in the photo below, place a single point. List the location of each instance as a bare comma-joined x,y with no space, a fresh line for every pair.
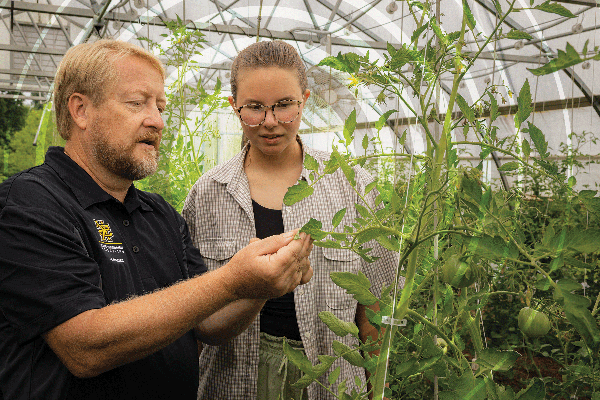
186,133
565,59
471,255
13,116
22,154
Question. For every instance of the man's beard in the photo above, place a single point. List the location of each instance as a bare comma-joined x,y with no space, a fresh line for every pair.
119,159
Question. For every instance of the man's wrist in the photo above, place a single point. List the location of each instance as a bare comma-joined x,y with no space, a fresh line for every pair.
231,281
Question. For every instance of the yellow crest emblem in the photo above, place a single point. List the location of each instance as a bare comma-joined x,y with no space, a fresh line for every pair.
104,230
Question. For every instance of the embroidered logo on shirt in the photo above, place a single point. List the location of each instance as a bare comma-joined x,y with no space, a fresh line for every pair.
104,230
107,240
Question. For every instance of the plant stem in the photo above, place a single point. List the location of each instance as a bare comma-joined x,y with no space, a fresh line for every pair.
595,309
436,329
528,349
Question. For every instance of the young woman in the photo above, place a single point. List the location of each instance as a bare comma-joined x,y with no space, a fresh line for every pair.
243,199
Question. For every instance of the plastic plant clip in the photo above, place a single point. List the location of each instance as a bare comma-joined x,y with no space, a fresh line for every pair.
395,322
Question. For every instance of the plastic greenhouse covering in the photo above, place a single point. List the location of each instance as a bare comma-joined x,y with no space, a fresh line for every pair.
34,34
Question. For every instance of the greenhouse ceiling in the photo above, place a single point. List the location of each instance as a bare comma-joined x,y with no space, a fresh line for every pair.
35,34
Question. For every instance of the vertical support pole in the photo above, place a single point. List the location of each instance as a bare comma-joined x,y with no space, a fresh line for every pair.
438,135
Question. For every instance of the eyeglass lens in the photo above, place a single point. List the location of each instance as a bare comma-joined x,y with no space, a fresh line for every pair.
284,111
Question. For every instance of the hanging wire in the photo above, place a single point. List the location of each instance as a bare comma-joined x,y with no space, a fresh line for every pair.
258,20
537,79
343,17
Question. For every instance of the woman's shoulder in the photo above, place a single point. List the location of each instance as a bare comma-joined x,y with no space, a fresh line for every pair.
318,155
222,173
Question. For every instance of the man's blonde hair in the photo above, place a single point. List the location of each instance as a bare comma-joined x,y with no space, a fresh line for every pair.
88,68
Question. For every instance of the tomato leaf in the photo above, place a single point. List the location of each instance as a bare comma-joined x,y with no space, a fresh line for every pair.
535,391
554,8
337,326
497,360
314,229
355,284
509,166
524,102
310,163
337,218
563,60
349,127
383,119
515,34
349,354
538,139
298,192
465,109
469,15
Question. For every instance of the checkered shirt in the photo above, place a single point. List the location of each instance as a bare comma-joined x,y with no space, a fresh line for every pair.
219,212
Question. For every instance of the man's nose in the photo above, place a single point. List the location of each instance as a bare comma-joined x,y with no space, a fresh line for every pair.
154,119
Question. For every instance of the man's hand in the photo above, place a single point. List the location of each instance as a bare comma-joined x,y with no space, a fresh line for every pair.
271,267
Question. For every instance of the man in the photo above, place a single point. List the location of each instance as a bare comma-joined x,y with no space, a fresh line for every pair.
99,291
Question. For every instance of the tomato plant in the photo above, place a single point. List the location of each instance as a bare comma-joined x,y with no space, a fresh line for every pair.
464,243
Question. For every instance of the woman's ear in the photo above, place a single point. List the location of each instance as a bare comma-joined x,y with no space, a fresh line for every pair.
306,94
79,108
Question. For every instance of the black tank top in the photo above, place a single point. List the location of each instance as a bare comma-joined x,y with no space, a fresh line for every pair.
278,316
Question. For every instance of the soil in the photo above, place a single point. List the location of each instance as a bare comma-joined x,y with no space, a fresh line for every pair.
523,370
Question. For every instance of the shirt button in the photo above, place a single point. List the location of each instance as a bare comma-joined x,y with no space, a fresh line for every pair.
308,335
126,222
135,249
300,291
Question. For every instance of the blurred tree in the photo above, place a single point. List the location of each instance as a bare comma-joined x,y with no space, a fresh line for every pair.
21,154
12,119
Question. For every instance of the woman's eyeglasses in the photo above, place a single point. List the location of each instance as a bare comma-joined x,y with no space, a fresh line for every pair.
285,111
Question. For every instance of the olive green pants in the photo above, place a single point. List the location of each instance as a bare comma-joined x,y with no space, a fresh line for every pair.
275,373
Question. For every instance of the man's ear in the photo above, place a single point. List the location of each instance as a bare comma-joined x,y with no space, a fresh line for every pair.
79,108
231,101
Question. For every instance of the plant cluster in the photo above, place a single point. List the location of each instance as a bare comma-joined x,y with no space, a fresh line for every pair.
189,114
467,248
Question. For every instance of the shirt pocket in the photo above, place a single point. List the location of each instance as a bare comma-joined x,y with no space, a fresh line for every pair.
339,260
217,251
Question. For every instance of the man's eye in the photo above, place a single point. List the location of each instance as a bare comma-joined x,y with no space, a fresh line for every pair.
285,104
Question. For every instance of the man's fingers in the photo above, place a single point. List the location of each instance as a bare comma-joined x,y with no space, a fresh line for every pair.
272,244
307,275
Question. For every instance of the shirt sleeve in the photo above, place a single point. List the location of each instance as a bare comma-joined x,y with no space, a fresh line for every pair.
46,274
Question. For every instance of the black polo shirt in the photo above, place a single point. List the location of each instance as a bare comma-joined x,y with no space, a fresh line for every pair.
67,246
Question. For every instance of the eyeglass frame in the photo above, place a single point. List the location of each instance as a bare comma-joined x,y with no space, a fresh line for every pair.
272,107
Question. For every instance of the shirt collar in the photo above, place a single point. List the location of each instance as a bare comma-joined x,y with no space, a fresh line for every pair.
231,175
85,189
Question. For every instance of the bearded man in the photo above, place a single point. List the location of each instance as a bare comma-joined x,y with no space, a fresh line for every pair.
102,294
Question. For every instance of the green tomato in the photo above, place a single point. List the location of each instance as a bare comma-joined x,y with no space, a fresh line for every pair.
457,273
533,323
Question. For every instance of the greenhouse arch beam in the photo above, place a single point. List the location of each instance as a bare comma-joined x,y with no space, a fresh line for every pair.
594,100
13,71
579,102
579,2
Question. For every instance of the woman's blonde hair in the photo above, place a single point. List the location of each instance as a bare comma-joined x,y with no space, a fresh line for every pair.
88,68
268,54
